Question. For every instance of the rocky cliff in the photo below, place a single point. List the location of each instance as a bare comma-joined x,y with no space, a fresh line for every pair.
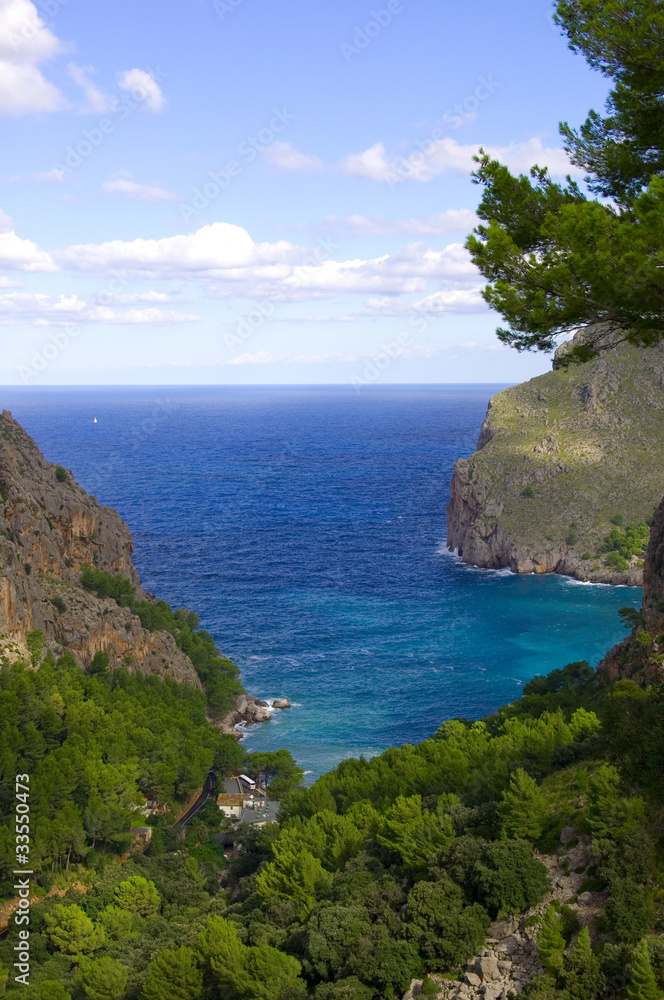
564,464
50,528
640,656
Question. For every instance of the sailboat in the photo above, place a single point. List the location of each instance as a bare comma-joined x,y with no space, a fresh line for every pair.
94,421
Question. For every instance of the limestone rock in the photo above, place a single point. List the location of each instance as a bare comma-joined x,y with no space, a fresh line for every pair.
556,460
281,703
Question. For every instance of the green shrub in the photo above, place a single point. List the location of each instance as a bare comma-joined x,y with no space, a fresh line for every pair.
35,643
58,604
630,617
528,491
61,474
112,585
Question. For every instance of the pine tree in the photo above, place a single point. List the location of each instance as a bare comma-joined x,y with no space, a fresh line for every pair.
523,808
550,942
582,977
642,982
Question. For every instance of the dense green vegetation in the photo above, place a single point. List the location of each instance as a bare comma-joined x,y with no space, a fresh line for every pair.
623,543
96,746
382,871
557,260
218,674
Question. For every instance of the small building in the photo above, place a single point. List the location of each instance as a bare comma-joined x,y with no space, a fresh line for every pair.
231,803
142,833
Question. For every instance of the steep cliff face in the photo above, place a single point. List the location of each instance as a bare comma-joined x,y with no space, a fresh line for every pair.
641,655
563,461
49,529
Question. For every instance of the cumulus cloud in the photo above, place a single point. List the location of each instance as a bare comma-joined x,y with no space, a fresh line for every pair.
143,86
207,252
124,183
453,220
283,156
23,255
231,264
61,310
451,300
96,102
447,154
25,43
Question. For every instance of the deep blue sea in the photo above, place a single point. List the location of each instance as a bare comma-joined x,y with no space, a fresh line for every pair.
306,526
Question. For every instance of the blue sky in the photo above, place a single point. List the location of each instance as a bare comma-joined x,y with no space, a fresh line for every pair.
243,191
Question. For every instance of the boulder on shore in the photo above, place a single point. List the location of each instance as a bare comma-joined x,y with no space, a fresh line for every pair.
281,703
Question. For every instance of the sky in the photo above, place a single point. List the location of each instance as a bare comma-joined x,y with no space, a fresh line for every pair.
245,191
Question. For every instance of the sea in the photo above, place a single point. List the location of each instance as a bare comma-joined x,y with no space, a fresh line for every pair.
306,527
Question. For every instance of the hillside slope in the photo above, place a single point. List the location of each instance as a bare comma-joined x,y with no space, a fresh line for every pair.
50,529
564,463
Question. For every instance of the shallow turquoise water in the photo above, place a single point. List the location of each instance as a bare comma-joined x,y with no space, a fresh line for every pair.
306,526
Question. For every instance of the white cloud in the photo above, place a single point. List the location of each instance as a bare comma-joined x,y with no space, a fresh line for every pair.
451,300
125,184
60,310
447,154
25,43
231,264
144,87
6,224
56,175
8,283
283,156
96,102
132,299
453,220
204,253
23,255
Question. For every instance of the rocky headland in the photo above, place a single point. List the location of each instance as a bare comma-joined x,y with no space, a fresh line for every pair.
565,463
50,529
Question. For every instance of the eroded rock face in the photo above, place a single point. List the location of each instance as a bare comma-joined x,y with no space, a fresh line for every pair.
640,656
559,458
49,529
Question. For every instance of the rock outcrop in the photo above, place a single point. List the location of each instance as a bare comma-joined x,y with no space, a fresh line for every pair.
508,961
640,657
561,461
50,528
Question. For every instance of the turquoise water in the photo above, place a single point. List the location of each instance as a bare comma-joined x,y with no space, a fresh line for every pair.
306,526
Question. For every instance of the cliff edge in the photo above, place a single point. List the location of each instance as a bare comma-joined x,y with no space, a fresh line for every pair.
568,470
50,530
640,657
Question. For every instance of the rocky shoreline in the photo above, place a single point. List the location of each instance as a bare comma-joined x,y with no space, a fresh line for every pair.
248,710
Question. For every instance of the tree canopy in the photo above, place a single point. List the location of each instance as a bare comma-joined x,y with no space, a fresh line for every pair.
557,260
